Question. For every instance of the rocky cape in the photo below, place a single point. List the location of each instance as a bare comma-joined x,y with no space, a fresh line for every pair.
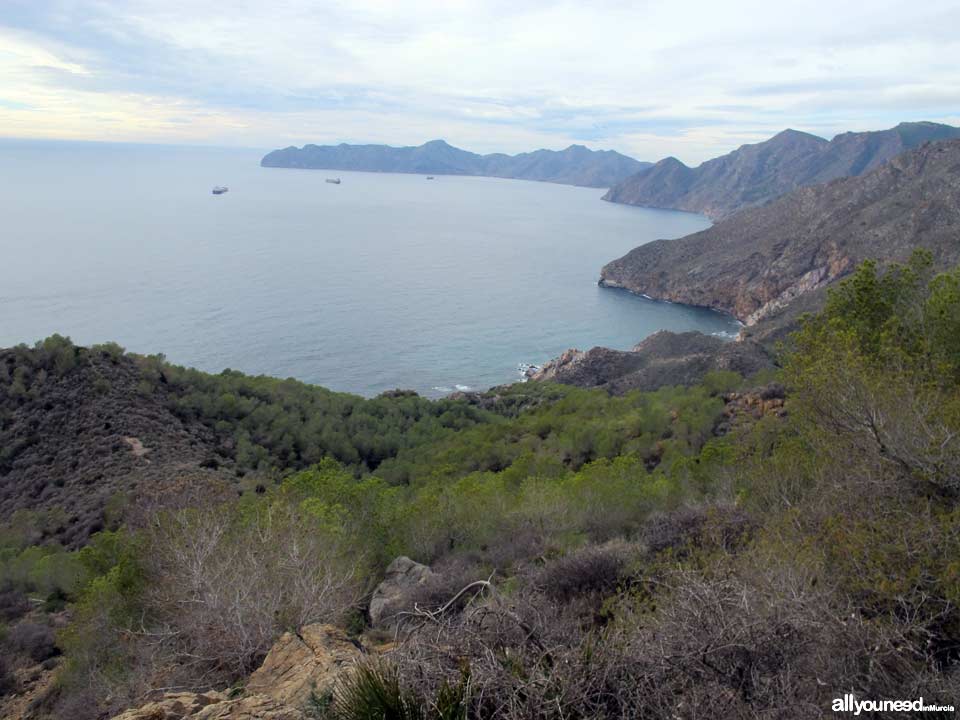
767,266
576,165
760,262
664,358
756,174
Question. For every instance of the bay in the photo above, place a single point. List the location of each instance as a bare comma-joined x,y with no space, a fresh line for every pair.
380,282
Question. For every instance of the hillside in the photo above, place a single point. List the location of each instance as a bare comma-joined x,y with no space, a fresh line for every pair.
79,440
575,165
538,551
93,437
755,263
756,174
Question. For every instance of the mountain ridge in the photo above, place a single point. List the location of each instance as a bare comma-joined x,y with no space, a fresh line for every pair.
574,165
757,262
758,173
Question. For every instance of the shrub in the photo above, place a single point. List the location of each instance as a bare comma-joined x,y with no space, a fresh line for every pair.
691,528
373,692
8,683
223,583
34,640
596,570
442,587
14,604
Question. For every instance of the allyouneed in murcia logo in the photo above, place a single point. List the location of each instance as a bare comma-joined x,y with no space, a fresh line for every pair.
848,703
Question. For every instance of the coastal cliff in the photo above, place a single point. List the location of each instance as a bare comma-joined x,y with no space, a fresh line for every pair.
768,266
760,261
576,165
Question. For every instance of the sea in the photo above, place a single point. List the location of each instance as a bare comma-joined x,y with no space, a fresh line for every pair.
382,281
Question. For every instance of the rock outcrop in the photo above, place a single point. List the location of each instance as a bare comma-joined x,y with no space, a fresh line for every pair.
213,706
756,174
403,576
759,262
310,661
300,663
664,358
751,405
576,165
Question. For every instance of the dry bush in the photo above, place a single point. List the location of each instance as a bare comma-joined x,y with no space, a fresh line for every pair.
8,682
449,577
221,588
14,604
510,549
522,656
33,640
690,528
761,637
592,571
82,704
757,639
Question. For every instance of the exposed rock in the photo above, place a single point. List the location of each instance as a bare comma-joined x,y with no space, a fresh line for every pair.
136,446
576,165
745,407
758,263
756,174
298,664
213,706
174,706
250,707
402,576
664,358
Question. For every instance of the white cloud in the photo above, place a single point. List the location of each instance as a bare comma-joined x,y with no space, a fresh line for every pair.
691,79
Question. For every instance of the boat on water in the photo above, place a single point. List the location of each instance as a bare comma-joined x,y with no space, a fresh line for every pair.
429,177
334,181
220,190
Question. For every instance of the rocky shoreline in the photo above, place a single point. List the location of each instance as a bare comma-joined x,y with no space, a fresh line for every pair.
766,266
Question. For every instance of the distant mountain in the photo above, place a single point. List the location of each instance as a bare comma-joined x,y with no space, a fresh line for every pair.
755,174
576,165
762,261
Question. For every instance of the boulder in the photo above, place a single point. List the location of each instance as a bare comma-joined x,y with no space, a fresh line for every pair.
403,575
300,663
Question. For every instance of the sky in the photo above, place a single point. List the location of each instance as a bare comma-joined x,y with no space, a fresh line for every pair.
693,79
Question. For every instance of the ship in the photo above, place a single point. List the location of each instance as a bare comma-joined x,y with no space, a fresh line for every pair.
220,190
429,177
335,181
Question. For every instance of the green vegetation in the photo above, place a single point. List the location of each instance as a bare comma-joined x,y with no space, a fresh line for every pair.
641,565
286,424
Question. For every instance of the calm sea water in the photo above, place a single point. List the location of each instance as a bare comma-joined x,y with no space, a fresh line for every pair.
380,282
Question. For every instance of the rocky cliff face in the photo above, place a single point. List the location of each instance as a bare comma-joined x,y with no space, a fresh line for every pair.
664,358
759,262
577,165
756,174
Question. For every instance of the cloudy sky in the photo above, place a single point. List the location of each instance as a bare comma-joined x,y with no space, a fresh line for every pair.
687,78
